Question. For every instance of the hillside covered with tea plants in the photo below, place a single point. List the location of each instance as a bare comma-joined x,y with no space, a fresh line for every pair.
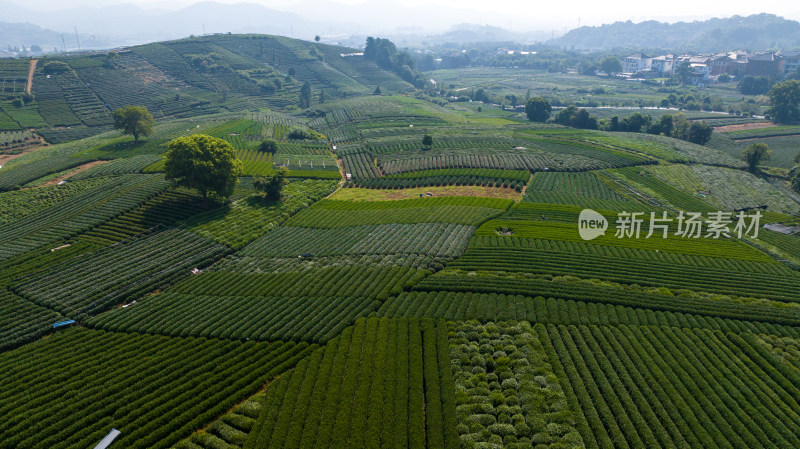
404,291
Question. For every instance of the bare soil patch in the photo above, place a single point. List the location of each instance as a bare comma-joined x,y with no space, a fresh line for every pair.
74,172
6,157
743,126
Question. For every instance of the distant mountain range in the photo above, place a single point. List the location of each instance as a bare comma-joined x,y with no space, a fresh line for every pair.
755,32
108,26
127,24
16,35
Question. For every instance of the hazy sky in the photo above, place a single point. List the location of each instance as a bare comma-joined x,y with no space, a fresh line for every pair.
515,14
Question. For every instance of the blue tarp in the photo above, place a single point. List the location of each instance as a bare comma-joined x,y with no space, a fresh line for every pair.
63,323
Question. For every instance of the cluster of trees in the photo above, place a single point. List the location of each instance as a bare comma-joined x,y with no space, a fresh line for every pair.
202,162
485,54
385,54
538,109
23,100
207,63
271,186
755,154
268,146
671,125
754,85
609,64
692,103
575,118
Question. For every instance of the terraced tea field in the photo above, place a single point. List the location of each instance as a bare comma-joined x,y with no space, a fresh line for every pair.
397,294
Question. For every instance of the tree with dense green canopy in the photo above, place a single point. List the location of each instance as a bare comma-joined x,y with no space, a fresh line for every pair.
754,155
271,186
204,163
784,102
384,53
134,120
576,118
670,125
299,134
538,109
610,65
753,85
268,146
695,132
305,95
427,141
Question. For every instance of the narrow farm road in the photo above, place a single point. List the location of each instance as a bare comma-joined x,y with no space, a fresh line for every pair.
31,69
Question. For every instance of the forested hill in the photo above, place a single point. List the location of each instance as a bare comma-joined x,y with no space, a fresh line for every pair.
755,32
182,78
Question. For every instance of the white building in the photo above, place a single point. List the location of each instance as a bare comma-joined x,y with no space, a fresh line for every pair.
663,64
636,62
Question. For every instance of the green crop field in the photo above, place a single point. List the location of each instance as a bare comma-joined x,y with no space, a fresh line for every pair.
423,280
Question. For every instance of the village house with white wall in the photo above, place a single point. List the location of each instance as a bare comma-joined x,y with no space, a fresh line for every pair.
706,68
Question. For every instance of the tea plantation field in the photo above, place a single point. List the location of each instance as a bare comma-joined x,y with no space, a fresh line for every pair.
400,294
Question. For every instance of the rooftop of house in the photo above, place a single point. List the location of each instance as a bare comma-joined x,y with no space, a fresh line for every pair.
766,57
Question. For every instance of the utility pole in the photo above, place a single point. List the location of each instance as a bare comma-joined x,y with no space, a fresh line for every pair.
76,39
204,29
64,43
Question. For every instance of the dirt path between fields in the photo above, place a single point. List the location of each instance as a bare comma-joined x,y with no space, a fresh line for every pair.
31,69
74,172
5,158
743,126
